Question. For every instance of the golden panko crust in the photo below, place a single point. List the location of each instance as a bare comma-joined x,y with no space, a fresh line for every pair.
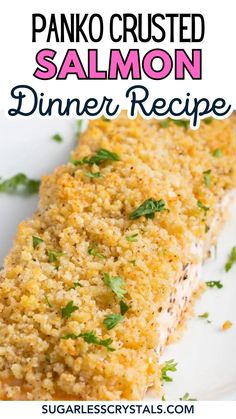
76,213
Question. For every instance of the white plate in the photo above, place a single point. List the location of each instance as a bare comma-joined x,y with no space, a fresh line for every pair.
206,356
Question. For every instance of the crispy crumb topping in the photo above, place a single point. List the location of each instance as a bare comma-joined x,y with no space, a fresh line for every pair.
52,253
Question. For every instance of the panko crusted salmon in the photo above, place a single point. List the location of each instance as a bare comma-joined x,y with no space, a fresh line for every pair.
99,278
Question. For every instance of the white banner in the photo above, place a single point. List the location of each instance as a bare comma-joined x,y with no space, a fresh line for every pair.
56,410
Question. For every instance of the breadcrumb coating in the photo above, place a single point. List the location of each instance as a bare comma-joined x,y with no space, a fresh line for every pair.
77,213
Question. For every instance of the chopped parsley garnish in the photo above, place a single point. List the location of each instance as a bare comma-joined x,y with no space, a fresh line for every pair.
207,178
68,310
133,261
20,183
203,207
75,285
54,256
132,238
105,119
186,397
216,284
70,336
92,251
217,152
204,315
123,307
163,398
181,122
93,175
102,155
231,260
58,138
91,337
32,186
148,209
164,123
207,228
208,120
111,320
48,301
168,366
117,284
36,241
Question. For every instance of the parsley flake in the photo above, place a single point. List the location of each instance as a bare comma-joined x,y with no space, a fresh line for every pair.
20,183
204,315
164,123
203,207
105,119
75,285
91,337
32,186
216,284
48,301
68,310
92,175
186,397
207,178
181,122
217,153
207,228
231,260
111,320
168,366
102,155
54,256
132,238
123,307
92,251
116,283
70,336
58,138
148,209
208,120
36,241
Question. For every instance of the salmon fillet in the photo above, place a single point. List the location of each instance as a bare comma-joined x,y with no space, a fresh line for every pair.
91,255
